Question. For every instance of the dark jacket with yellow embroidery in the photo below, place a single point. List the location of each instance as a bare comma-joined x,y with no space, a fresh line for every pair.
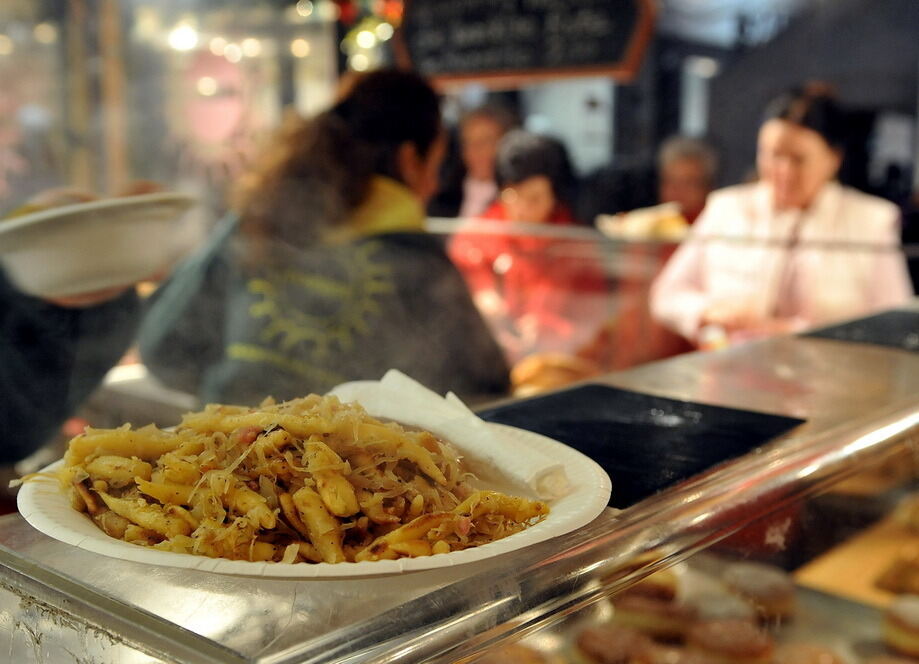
317,317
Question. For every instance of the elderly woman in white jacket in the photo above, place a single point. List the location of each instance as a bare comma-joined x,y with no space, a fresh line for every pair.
795,249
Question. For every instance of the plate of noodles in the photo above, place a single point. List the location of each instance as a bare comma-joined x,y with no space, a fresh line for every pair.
312,487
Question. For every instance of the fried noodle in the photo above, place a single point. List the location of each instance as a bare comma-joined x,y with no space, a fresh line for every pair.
308,480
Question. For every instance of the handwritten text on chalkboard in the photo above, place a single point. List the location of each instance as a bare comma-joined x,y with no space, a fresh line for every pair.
469,36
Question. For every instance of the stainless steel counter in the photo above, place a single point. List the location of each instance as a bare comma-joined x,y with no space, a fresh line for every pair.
860,403
825,382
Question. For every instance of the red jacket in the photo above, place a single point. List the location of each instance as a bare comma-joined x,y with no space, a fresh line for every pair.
544,282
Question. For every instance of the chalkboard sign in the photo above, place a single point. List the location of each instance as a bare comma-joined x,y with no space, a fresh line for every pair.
515,41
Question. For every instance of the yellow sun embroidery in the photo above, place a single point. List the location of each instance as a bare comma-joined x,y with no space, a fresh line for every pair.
346,304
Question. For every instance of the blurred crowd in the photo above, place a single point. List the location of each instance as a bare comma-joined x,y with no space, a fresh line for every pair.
325,271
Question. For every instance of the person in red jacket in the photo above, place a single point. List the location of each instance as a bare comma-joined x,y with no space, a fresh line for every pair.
540,291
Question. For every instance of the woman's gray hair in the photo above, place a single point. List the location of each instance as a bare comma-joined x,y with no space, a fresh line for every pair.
677,148
501,116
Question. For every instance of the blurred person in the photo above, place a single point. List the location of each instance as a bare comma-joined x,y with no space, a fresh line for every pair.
326,274
686,170
685,175
776,268
910,236
54,352
469,184
481,131
536,180
536,290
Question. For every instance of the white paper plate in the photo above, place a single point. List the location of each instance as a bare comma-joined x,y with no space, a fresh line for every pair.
93,246
45,507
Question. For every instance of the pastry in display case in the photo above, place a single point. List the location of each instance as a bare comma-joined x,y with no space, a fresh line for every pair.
659,223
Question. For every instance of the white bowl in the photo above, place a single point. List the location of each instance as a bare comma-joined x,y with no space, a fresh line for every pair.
93,246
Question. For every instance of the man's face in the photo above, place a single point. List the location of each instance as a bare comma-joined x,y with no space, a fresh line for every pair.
685,182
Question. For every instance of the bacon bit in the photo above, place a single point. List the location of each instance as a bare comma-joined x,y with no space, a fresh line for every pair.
394,506
252,484
463,526
245,435
74,426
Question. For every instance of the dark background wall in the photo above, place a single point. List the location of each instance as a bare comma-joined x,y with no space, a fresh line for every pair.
868,49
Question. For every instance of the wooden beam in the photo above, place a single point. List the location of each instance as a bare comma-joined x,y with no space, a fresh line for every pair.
114,114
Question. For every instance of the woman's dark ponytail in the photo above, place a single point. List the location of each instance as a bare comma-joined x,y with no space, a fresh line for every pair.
318,170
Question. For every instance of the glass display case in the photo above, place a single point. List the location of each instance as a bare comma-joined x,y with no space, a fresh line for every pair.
827,501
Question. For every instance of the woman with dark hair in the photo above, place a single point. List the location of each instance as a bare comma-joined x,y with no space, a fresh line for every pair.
794,249
539,292
535,180
326,274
